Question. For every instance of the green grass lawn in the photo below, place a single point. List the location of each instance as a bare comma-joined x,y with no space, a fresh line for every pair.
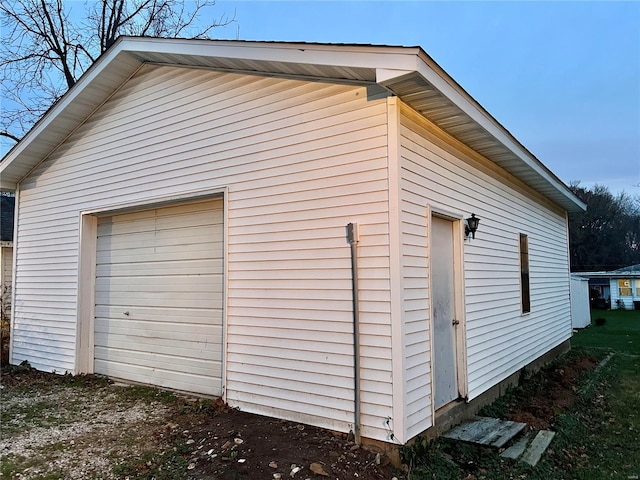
620,332
596,438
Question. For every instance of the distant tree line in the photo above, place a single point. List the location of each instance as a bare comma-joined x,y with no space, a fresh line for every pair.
606,236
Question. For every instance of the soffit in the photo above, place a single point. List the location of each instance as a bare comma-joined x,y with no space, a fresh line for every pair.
508,154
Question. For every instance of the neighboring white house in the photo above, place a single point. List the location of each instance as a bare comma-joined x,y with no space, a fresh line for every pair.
182,216
622,285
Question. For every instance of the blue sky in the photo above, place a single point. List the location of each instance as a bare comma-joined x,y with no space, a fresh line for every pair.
563,77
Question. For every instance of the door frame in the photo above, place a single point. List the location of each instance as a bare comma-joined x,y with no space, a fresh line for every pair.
457,220
88,228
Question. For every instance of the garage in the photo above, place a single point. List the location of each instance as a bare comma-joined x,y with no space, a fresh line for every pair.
159,297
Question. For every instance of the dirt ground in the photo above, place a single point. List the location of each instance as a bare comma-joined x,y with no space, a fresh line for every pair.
241,445
85,427
78,428
538,406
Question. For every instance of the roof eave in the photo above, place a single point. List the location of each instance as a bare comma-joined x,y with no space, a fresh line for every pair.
540,176
75,106
348,63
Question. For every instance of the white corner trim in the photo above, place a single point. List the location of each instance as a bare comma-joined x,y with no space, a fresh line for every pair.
395,273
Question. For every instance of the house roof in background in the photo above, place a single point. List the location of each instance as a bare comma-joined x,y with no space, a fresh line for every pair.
629,269
7,211
407,72
624,272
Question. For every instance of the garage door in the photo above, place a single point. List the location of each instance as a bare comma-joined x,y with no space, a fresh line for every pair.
158,312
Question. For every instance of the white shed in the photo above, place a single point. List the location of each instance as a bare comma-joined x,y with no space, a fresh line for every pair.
580,306
182,214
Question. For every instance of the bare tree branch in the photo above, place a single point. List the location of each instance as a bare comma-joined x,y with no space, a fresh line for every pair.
43,52
10,136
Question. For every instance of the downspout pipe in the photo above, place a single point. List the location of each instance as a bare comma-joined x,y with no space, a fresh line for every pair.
352,240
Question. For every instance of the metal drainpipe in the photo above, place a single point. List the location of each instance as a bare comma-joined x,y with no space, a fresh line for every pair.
352,239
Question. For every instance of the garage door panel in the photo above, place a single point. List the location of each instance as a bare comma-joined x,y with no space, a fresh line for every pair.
162,378
164,329
154,361
164,268
149,240
157,300
177,349
160,254
176,236
151,245
141,269
168,226
187,349
177,315
167,283
159,225
175,215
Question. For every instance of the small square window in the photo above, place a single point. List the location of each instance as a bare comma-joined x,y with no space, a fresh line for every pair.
624,287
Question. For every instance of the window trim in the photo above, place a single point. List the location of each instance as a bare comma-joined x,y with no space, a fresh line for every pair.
525,280
626,285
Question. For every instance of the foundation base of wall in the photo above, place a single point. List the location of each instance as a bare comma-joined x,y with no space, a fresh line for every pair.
392,451
456,412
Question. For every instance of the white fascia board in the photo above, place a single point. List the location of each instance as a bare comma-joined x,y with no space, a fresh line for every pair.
442,82
356,56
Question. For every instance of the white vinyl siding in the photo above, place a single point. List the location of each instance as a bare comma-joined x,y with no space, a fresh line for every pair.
500,340
159,297
525,290
299,161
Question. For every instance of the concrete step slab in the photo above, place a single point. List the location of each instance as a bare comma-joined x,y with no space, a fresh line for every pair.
537,447
517,449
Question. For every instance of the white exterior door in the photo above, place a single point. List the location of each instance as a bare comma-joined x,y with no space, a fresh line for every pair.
159,290
443,304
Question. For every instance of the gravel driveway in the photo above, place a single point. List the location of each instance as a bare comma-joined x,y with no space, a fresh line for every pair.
65,427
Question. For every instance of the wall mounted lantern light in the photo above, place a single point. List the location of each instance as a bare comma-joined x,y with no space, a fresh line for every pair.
471,225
